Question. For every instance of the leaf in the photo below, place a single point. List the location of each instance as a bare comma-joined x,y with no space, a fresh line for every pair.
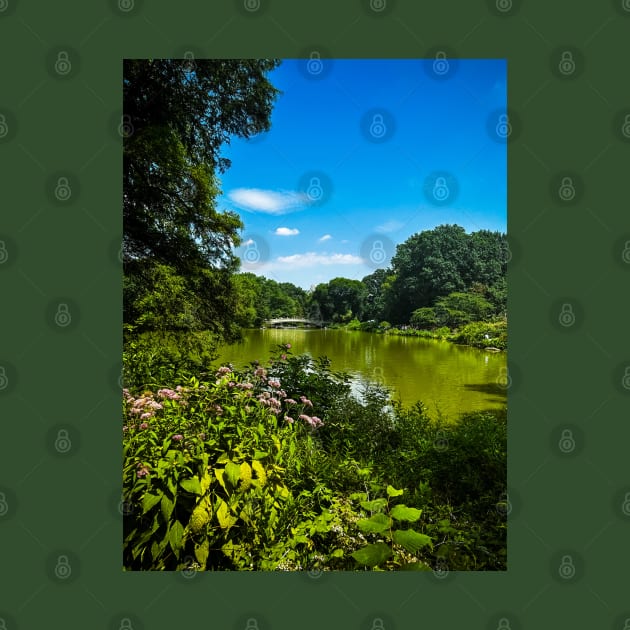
226,520
233,472
404,513
218,473
224,457
149,500
202,551
392,492
205,483
375,524
260,454
337,553
374,505
175,534
167,507
410,540
191,485
371,555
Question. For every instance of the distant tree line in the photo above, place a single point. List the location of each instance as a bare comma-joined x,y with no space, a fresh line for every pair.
439,277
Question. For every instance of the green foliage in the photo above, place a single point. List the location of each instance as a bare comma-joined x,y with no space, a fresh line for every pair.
393,545
234,471
177,248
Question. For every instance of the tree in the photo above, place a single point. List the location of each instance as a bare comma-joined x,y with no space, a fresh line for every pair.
180,117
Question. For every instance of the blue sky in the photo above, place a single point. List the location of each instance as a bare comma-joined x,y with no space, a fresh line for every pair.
362,154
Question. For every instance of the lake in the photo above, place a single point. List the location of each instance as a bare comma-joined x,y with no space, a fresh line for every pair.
446,377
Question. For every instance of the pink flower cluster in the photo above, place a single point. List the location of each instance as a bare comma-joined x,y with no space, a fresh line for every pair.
145,407
313,421
169,393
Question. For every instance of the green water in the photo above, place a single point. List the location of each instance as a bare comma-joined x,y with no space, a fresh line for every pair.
446,377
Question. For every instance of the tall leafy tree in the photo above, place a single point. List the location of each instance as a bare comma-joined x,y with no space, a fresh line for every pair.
180,116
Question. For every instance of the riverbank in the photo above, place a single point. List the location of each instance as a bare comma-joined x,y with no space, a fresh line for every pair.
490,336
278,467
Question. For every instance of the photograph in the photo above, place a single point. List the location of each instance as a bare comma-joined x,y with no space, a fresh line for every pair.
314,262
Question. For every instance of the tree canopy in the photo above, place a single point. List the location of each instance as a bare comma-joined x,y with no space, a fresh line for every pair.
180,115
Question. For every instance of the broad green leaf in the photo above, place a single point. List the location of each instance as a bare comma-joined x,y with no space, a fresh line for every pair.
375,524
167,507
233,473
175,534
205,483
218,473
404,513
202,550
371,555
226,520
374,505
410,540
191,485
260,454
337,553
149,500
224,457
392,492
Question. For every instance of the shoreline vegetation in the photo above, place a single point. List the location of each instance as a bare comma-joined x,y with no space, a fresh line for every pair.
490,336
278,467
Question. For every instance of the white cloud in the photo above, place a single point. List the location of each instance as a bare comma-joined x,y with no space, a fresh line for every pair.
285,231
390,226
326,237
267,201
249,241
311,259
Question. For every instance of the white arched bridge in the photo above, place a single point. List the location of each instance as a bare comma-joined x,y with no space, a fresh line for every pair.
293,322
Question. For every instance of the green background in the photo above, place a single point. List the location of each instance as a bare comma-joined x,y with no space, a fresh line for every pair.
60,449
